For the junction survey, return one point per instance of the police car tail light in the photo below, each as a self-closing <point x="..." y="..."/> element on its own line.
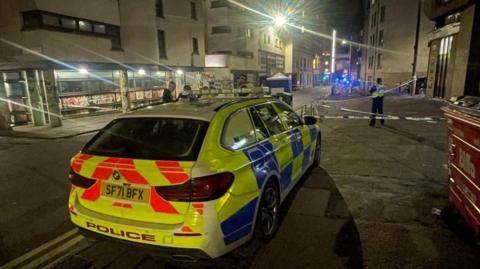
<point x="79" y="181"/>
<point x="199" y="189"/>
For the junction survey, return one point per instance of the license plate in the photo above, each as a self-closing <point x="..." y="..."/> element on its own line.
<point x="126" y="192"/>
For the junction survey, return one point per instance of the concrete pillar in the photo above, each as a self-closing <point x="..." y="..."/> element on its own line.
<point x="4" y="111"/>
<point x="123" y="81"/>
<point x="53" y="100"/>
<point x="34" y="89"/>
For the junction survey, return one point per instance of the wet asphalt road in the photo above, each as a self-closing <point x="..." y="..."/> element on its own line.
<point x="370" y="204"/>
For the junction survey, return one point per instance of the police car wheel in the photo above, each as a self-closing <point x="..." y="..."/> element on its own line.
<point x="318" y="150"/>
<point x="268" y="213"/>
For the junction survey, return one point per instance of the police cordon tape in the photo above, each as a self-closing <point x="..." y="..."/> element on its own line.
<point x="368" y="96"/>
<point x="368" y="115"/>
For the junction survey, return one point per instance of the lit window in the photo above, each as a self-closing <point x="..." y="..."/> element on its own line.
<point x="85" y="26"/>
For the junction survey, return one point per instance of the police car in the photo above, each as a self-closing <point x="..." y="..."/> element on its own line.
<point x="192" y="179"/>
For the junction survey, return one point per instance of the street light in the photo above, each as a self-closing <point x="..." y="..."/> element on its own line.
<point x="280" y="21"/>
<point x="83" y="71"/>
<point x="141" y="72"/>
<point x="179" y="72"/>
<point x="334" y="40"/>
<point x="344" y="42"/>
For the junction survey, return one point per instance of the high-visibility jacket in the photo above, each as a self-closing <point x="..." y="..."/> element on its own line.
<point x="377" y="90"/>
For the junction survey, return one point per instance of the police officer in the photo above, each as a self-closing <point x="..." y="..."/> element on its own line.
<point x="377" y="91"/>
<point x="167" y="93"/>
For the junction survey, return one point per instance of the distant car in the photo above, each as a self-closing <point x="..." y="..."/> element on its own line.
<point x="194" y="180"/>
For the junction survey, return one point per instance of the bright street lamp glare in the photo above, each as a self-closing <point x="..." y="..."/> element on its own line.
<point x="344" y="42"/>
<point x="179" y="72"/>
<point x="280" y="21"/>
<point x="83" y="71"/>
<point x="141" y="72"/>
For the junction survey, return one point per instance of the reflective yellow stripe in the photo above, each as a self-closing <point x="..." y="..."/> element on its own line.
<point x="379" y="92"/>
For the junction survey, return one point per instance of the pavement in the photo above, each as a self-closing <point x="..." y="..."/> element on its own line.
<point x="372" y="204"/>
<point x="90" y="124"/>
<point x="392" y="178"/>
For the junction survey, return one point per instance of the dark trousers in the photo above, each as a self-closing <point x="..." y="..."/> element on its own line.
<point x="377" y="108"/>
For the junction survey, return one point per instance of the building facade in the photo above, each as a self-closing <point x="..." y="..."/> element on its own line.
<point x="389" y="36"/>
<point x="68" y="58"/>
<point x="454" y="56"/>
<point x="239" y="45"/>
<point x="306" y="48"/>
<point x="249" y="45"/>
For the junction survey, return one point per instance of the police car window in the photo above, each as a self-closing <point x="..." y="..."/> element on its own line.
<point x="270" y="118"/>
<point x="288" y="116"/>
<point x="260" y="129"/>
<point x="238" y="132"/>
<point x="150" y="138"/>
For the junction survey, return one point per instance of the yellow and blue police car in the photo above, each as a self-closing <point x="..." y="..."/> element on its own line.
<point x="192" y="179"/>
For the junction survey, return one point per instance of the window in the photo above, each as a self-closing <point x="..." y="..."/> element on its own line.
<point x="69" y="23"/>
<point x="85" y="26"/>
<point x="50" y="20"/>
<point x="260" y="129"/>
<point x="379" y="60"/>
<point x="38" y="19"/>
<point x="382" y="14"/>
<point x="99" y="28"/>
<point x="193" y="10"/>
<point x="220" y="3"/>
<point x="374" y="20"/>
<point x="150" y="138"/>
<point x="159" y="8"/>
<point x="380" y="38"/>
<point x="238" y="132"/>
<point x="288" y="116"/>
<point x="270" y="118"/>
<point x="225" y="29"/>
<point x="276" y="42"/>
<point x="248" y="33"/>
<point x="162" y="51"/>
<point x="268" y="39"/>
<point x="195" y="46"/>
<point x="264" y="38"/>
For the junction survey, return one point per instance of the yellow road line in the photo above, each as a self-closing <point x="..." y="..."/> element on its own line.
<point x="27" y="256"/>
<point x="54" y="253"/>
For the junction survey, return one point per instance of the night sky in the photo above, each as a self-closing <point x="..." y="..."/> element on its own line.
<point x="344" y="15"/>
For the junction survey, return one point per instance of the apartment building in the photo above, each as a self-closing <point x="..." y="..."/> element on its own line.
<point x="67" y="58"/>
<point x="241" y="43"/>
<point x="389" y="32"/>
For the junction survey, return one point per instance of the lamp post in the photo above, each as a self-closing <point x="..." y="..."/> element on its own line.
<point x="334" y="41"/>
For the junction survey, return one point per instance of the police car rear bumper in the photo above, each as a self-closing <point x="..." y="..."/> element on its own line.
<point x="184" y="254"/>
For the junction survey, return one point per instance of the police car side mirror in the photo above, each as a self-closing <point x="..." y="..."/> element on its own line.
<point x="310" y="120"/>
